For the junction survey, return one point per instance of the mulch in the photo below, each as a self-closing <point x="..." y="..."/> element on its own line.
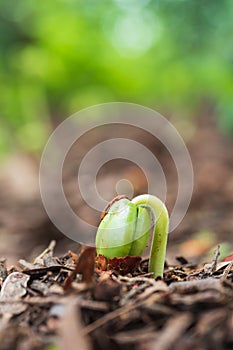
<point x="80" y="301"/>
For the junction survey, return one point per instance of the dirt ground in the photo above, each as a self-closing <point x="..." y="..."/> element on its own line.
<point x="80" y="301"/>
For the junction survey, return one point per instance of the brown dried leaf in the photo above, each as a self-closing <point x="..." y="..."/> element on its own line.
<point x="101" y="262"/>
<point x="85" y="265"/>
<point x="124" y="265"/>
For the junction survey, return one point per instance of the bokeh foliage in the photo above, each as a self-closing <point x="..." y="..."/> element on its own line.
<point x="59" y="56"/>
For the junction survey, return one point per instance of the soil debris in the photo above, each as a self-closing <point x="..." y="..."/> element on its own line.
<point x="82" y="301"/>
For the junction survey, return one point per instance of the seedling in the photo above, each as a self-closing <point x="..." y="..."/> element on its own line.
<point x="125" y="229"/>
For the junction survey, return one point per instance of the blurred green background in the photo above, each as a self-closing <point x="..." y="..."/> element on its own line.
<point x="59" y="56"/>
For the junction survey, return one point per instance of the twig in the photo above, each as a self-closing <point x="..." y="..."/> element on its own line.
<point x="132" y="293"/>
<point x="133" y="280"/>
<point x="211" y="269"/>
<point x="227" y="271"/>
<point x="135" y="335"/>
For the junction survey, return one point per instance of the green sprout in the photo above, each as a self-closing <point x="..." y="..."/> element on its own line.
<point x="125" y="230"/>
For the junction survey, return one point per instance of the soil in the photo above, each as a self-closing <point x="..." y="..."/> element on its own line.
<point x="78" y="302"/>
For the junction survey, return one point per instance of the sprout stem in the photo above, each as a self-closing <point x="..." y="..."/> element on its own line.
<point x="160" y="234"/>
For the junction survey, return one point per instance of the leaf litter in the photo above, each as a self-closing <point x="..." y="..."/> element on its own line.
<point x="80" y="301"/>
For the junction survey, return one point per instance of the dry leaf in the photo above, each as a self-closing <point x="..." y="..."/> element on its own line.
<point x="85" y="265"/>
<point x="14" y="286"/>
<point x="101" y="262"/>
<point x="124" y="265"/>
<point x="13" y="289"/>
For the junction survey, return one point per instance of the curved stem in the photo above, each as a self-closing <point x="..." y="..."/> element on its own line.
<point x="159" y="239"/>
